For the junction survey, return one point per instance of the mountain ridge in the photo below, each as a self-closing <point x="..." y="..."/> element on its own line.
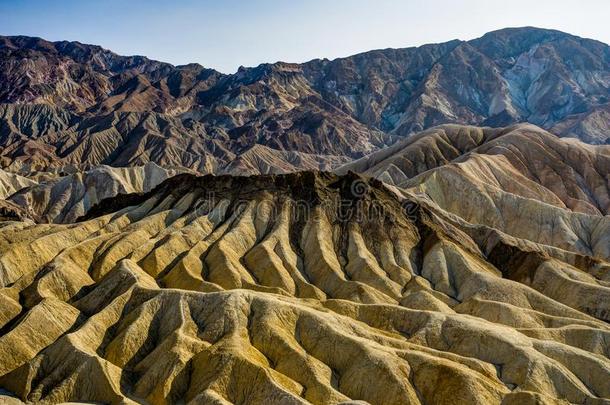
<point x="376" y="229"/>
<point x="345" y="107"/>
<point x="204" y="284"/>
<point x="529" y="28"/>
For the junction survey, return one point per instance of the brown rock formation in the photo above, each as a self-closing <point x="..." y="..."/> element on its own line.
<point x="67" y="103"/>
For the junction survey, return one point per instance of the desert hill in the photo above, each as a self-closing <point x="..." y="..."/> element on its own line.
<point x="523" y="160"/>
<point x="310" y="284"/>
<point x="66" y="198"/>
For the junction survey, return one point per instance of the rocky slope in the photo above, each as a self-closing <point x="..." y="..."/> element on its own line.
<point x="522" y="160"/>
<point x="42" y="138"/>
<point x="446" y="163"/>
<point x="299" y="288"/>
<point x="66" y="198"/>
<point x="520" y="180"/>
<point x="11" y="183"/>
<point x="70" y="103"/>
<point x="76" y="76"/>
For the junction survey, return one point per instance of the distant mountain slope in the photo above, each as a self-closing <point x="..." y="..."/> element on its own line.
<point x="345" y="108"/>
<point x="519" y="180"/>
<point x="39" y="137"/>
<point x="65" y="199"/>
<point x="506" y="76"/>
<point x="522" y="159"/>
<point x="80" y="77"/>
<point x="10" y="183"/>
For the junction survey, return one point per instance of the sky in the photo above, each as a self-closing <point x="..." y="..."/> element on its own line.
<point x="227" y="34"/>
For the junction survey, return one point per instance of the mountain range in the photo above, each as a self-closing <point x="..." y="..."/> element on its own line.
<point x="70" y="104"/>
<point x="425" y="225"/>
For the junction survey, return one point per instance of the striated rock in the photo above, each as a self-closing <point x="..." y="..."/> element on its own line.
<point x="67" y="198"/>
<point x="264" y="160"/>
<point x="10" y="183"/>
<point x="590" y="127"/>
<point x="521" y="181"/>
<point x="71" y="104"/>
<point x="299" y="288"/>
<point x="45" y="139"/>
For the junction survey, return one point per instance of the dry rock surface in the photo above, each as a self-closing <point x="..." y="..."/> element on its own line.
<point x="302" y="288"/>
<point x="520" y="180"/>
<point x="63" y="199"/>
<point x="68" y="103"/>
<point x="438" y="264"/>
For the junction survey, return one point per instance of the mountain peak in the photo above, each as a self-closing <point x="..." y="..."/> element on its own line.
<point x="323" y="110"/>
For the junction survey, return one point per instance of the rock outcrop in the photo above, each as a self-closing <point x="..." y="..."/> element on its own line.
<point x="298" y="288"/>
<point x="11" y="183"/>
<point x="64" y="199"/>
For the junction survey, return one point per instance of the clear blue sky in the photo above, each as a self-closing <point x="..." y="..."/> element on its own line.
<point x="230" y="33"/>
